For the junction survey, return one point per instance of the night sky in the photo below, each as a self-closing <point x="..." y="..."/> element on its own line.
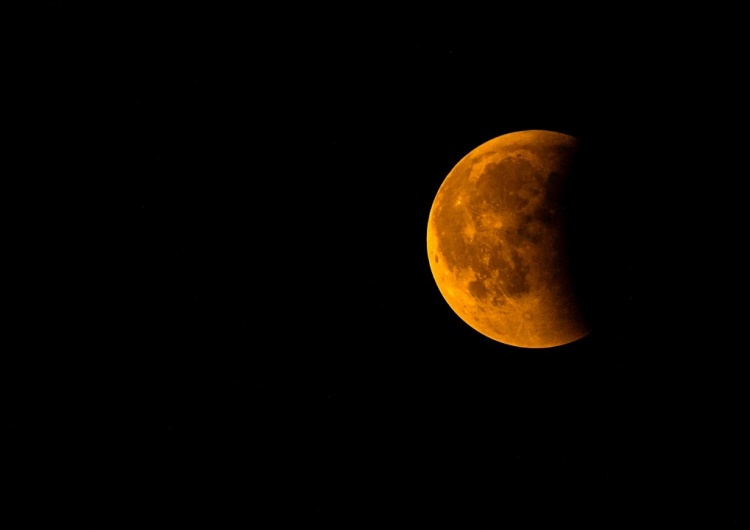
<point x="227" y="306"/>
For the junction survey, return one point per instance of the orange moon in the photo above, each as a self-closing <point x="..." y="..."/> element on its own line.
<point x="496" y="240"/>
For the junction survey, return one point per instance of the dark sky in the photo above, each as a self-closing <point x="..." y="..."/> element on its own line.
<point x="227" y="298"/>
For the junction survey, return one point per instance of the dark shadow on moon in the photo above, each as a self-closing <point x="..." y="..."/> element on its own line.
<point x="596" y="234"/>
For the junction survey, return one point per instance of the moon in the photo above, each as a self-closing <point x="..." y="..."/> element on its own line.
<point x="497" y="242"/>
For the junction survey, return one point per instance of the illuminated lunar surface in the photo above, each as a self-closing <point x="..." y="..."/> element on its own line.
<point x="496" y="240"/>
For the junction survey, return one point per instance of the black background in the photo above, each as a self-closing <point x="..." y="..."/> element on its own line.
<point x="226" y="305"/>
